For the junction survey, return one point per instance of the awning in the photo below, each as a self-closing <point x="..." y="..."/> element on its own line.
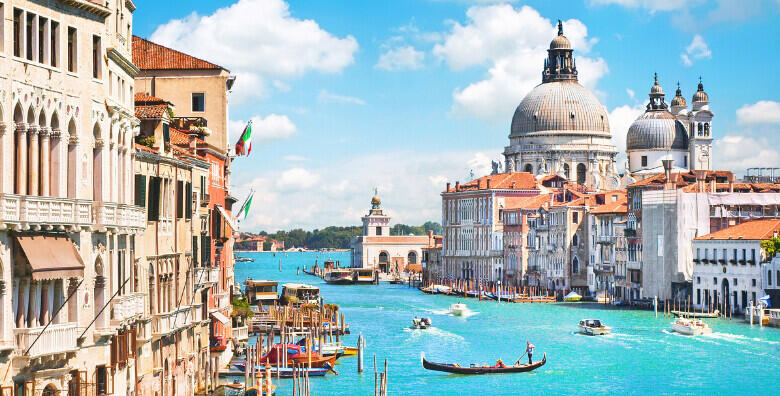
<point x="230" y="220"/>
<point x="414" y="267"/>
<point x="220" y="317"/>
<point x="52" y="257"/>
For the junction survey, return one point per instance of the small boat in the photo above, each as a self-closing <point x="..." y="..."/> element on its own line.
<point x="299" y="293"/>
<point x="234" y="389"/>
<point x="284" y="372"/>
<point x="261" y="292"/>
<point x="436" y="289"/>
<point x="684" y="314"/>
<point x="593" y="327"/>
<point x="474" y="369"/>
<point x="296" y="354"/>
<point x="421" y="323"/>
<point x="339" y="276"/>
<point x="244" y="259"/>
<point x="458" y="309"/>
<point x="364" y="276"/>
<point x="534" y="299"/>
<point x="691" y="327"/>
<point x="572" y="297"/>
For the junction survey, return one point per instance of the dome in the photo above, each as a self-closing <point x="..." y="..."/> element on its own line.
<point x="375" y="201"/>
<point x="678" y="100"/>
<point x="560" y="42"/>
<point x="657" y="130"/>
<point x="560" y="106"/>
<point x="700" y="95"/>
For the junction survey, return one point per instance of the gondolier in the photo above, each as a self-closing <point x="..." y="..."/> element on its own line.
<point x="529" y="349"/>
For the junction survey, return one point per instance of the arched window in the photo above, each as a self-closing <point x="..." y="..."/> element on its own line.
<point x="529" y="168"/>
<point x="706" y="129"/>
<point x="575" y="240"/>
<point x="566" y="171"/>
<point x="701" y="129"/>
<point x="50" y="390"/>
<point x="575" y="265"/>
<point x="383" y="257"/>
<point x="71" y="164"/>
<point x="412" y="257"/>
<point x="581" y="173"/>
<point x="97" y="165"/>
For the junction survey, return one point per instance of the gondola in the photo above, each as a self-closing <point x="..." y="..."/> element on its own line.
<point x="476" y="370"/>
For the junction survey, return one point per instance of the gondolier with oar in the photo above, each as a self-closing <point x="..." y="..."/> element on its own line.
<point x="529" y="349"/>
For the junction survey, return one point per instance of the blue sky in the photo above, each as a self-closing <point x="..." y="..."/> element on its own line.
<point x="405" y="95"/>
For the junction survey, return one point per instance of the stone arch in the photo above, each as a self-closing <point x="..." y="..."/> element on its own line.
<point x="575" y="240"/>
<point x="581" y="169"/>
<point x="54" y="123"/>
<point x="566" y="171"/>
<point x="30" y="115"/>
<point x="42" y="118"/>
<point x="411" y="258"/>
<point x="70" y="168"/>
<point x="97" y="164"/>
<point x="50" y="390"/>
<point x="18" y="113"/>
<point x="99" y="292"/>
<point x="384" y="261"/>
<point x="575" y="265"/>
<point x="528" y="168"/>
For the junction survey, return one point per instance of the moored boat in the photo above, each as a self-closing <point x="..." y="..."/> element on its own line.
<point x="261" y="292"/>
<point x="572" y="297"/>
<point x="364" y="276"/>
<point x="339" y="276"/>
<point x="691" y="327"/>
<point x="299" y="293"/>
<point x="684" y="314"/>
<point x="284" y="372"/>
<point x="593" y="327"/>
<point x="473" y="369"/>
<point x="436" y="289"/>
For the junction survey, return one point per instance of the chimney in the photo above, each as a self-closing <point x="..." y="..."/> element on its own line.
<point x="479" y="184"/>
<point x="430" y="238"/>
<point x="701" y="175"/>
<point x="712" y="185"/>
<point x="513" y="185"/>
<point x="731" y="182"/>
<point x="488" y="183"/>
<point x="457" y="186"/>
<point x="668" y="163"/>
<point x="448" y="186"/>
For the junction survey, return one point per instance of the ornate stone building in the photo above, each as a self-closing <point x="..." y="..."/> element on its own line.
<point x="561" y="128"/>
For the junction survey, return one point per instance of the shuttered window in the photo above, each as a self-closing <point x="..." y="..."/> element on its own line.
<point x="195" y="257"/>
<point x="140" y="190"/>
<point x="188" y="201"/>
<point x="179" y="199"/>
<point x="153" y="213"/>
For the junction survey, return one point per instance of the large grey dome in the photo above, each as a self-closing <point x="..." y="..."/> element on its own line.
<point x="657" y="130"/>
<point x="560" y="106"/>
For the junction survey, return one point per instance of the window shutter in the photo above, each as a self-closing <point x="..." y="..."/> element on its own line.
<point x="166" y="134"/>
<point x="195" y="257"/>
<point x="153" y="212"/>
<point x="140" y="190"/>
<point x="188" y="200"/>
<point x="179" y="199"/>
<point x="114" y="352"/>
<point x="203" y="191"/>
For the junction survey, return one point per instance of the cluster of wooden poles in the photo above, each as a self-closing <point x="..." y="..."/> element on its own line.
<point x="462" y="286"/>
<point x="380" y="380"/>
<point x="686" y="306"/>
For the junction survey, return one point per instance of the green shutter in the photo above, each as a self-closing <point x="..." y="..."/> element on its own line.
<point x="140" y="190"/>
<point x="188" y="201"/>
<point x="179" y="199"/>
<point x="153" y="213"/>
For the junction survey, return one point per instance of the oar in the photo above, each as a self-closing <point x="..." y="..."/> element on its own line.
<point x="521" y="356"/>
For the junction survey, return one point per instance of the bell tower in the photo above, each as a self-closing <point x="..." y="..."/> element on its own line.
<point x="376" y="223"/>
<point x="700" y="130"/>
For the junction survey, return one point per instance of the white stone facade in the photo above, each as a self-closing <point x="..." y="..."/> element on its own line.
<point x="726" y="269"/>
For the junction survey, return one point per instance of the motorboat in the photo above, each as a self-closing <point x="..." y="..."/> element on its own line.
<point x="473" y="369"/>
<point x="364" y="276"/>
<point x="572" y="297"/>
<point x="299" y="293"/>
<point x="691" y="327"/>
<point x="593" y="327"/>
<point x="421" y="323"/>
<point x="436" y="289"/>
<point x="458" y="309"/>
<point x="339" y="276"/>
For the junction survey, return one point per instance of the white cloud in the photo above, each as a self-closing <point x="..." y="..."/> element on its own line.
<point x="697" y="49"/>
<point x="512" y="44"/>
<point x="650" y="5"/>
<point x="730" y="151"/>
<point x="270" y="127"/>
<point x="294" y="158"/>
<point x="328" y="97"/>
<point x="761" y="112"/>
<point x="339" y="192"/>
<point x="260" y="42"/>
<point x="630" y="92"/>
<point x="620" y="119"/>
<point x="403" y="58"/>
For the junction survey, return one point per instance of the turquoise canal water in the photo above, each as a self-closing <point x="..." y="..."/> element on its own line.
<point x="642" y="356"/>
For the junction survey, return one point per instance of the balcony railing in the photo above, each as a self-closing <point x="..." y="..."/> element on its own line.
<point x="605" y="239"/>
<point x="241" y="333"/>
<point x="633" y="265"/>
<point x="113" y="215"/>
<point x="25" y="210"/>
<point x="168" y="322"/>
<point x="59" y="338"/>
<point x="128" y="307"/>
<point x="219" y="301"/>
<point x="206" y="276"/>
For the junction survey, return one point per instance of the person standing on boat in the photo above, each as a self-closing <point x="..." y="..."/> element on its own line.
<point x="529" y="349"/>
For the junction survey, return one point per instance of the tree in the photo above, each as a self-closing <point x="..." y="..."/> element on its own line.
<point x="771" y="247"/>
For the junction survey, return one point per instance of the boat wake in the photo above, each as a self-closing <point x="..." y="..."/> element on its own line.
<point x="740" y="339"/>
<point x="467" y="313"/>
<point x="433" y="332"/>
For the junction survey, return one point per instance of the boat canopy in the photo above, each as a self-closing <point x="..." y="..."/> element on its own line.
<point x="573" y="295"/>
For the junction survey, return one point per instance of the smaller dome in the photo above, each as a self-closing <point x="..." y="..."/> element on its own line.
<point x="657" y="130"/>
<point x="700" y="95"/>
<point x="656" y="89"/>
<point x="678" y="100"/>
<point x="375" y="201"/>
<point x="560" y="42"/>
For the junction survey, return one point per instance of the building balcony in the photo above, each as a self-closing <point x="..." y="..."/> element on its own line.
<point x="24" y="212"/>
<point x="241" y="333"/>
<point x="56" y="339"/>
<point x="197" y="125"/>
<point x="220" y="301"/>
<point x="206" y="277"/>
<point x="604" y="268"/>
<point x="110" y="215"/>
<point x="170" y="322"/>
<point x="633" y="265"/>
<point x="127" y="308"/>
<point x="605" y="239"/>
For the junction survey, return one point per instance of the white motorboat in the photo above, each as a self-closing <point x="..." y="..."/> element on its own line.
<point x="593" y="327"/>
<point x="691" y="327"/>
<point x="458" y="309"/>
<point x="421" y="323"/>
<point x="572" y="297"/>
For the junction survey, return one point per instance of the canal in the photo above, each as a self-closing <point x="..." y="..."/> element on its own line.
<point x="642" y="356"/>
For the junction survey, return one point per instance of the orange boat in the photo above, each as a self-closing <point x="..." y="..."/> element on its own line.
<point x="296" y="354"/>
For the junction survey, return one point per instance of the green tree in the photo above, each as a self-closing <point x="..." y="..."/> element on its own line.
<point x="771" y="247"/>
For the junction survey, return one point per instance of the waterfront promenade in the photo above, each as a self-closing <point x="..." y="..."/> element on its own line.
<point x="641" y="357"/>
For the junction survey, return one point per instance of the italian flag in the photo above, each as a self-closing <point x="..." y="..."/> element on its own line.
<point x="247" y="205"/>
<point x="244" y="144"/>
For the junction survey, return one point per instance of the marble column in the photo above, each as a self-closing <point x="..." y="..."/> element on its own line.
<point x="34" y="162"/>
<point x="45" y="170"/>
<point x="153" y="295"/>
<point x="56" y="162"/>
<point x="3" y="156"/>
<point x="99" y="299"/>
<point x="21" y="159"/>
<point x="45" y="307"/>
<point x="33" y="306"/>
<point x="73" y="303"/>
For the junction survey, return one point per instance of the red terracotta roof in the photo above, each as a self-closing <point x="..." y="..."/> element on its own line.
<point x="526" y="203"/>
<point x="150" y="111"/>
<point x="397" y="239"/>
<point x="617" y="207"/>
<point x="752" y="230"/>
<point x="500" y="181"/>
<point x="151" y="56"/>
<point x="141" y="147"/>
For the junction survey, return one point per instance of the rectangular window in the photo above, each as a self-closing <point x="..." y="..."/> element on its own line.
<point x="140" y="190"/>
<point x="644" y="160"/>
<point x="179" y="199"/>
<point x="379" y="230"/>
<point x="198" y="102"/>
<point x="723" y="257"/>
<point x="153" y="211"/>
<point x="698" y="254"/>
<point x="54" y="44"/>
<point x="752" y="256"/>
<point x="29" y="37"/>
<point x="575" y="217"/>
<point x="41" y="40"/>
<point x="18" y="32"/>
<point x="72" y="50"/>
<point x="769" y="278"/>
<point x="97" y="52"/>
<point x="698" y="296"/>
<point x="744" y="256"/>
